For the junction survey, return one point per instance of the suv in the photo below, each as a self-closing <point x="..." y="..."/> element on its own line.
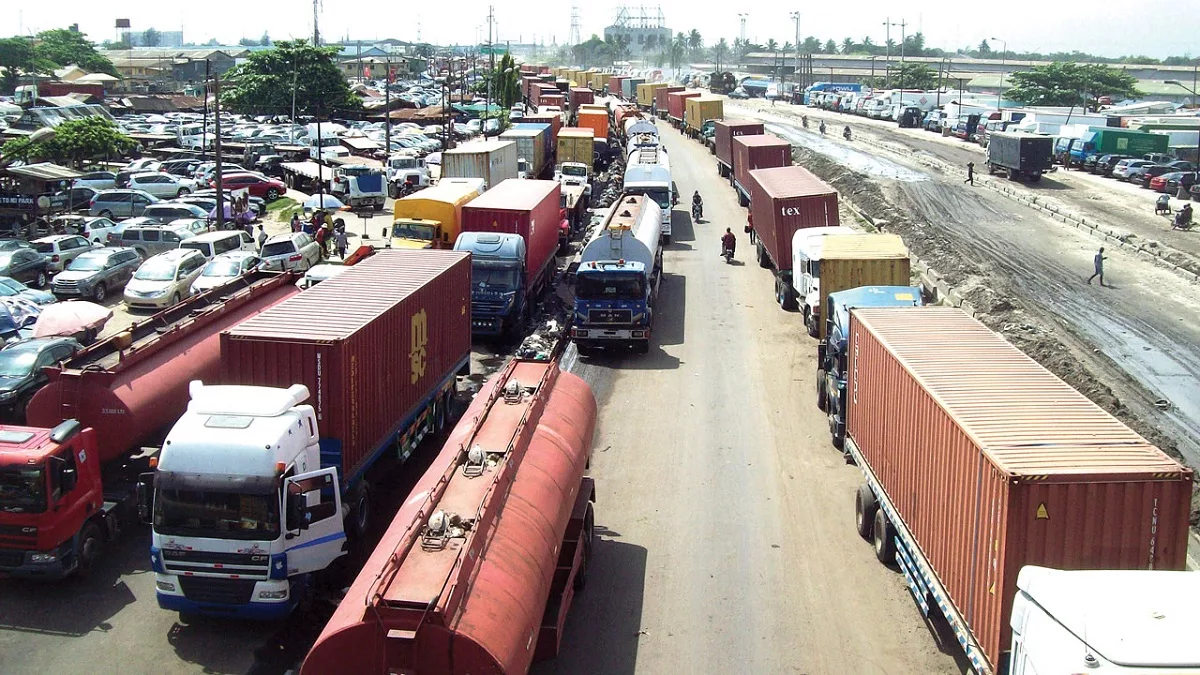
<point x="161" y="184"/>
<point x="1104" y="166"/>
<point x="120" y="203"/>
<point x="269" y="189"/>
<point x="164" y="280"/>
<point x="165" y="212"/>
<point x="97" y="180"/>
<point x="151" y="240"/>
<point x="290" y="251"/>
<point x="61" y="249"/>
<point x="22" y="373"/>
<point x="96" y="272"/>
<point x="1123" y="167"/>
<point x="213" y="244"/>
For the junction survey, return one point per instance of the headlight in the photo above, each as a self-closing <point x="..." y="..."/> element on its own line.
<point x="273" y="595"/>
<point x="165" y="586"/>
<point x="41" y="558"/>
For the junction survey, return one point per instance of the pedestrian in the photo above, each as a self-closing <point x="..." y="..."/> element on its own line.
<point x="1099" y="263"/>
<point x="262" y="236"/>
<point x="295" y="222"/>
<point x="321" y="242"/>
<point x="341" y="242"/>
<point x="750" y="228"/>
<point x="970" y="173"/>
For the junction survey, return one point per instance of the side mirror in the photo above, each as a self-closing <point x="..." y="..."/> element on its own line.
<point x="145" y="497"/>
<point x="70" y="478"/>
<point x="297" y="512"/>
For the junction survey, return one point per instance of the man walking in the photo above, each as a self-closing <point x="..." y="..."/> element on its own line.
<point x="1099" y="262"/>
<point x="970" y="173"/>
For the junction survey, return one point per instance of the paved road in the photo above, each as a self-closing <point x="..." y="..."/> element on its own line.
<point x="725" y="516"/>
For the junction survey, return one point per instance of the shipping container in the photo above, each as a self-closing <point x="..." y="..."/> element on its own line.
<point x="557" y="100"/>
<point x="848" y="261"/>
<point x="595" y="120"/>
<point x="599" y="81"/>
<point x="527" y="83"/>
<point x="531" y="149"/>
<point x="660" y="99"/>
<point x="646" y="91"/>
<point x="986" y="462"/>
<point x="782" y="201"/>
<point x="580" y="96"/>
<point x="614" y="84"/>
<point x="526" y="207"/>
<point x="675" y="104"/>
<point x="763" y="151"/>
<point x="563" y="85"/>
<point x="555" y="122"/>
<point x="575" y="145"/>
<point x="726" y="131"/>
<point x="546" y="142"/>
<point x="491" y="160"/>
<point x="430" y="218"/>
<point x="700" y="109"/>
<point x="629" y="87"/>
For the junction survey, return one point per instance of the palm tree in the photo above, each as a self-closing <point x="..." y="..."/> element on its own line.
<point x="847" y="45"/>
<point x="720" y="52"/>
<point x="788" y="47"/>
<point x="830" y="47"/>
<point x="868" y="45"/>
<point x="772" y="45"/>
<point x="677" y="49"/>
<point x="694" y="42"/>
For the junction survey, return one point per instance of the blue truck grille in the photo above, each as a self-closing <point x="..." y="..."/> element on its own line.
<point x="219" y="591"/>
<point x="621" y="316"/>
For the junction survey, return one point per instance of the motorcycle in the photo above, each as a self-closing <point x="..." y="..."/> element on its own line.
<point x="727" y="254"/>
<point x="846" y="133"/>
<point x="697" y="212"/>
<point x="822" y="128"/>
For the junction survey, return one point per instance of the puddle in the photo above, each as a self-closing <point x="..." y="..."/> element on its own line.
<point x="857" y="161"/>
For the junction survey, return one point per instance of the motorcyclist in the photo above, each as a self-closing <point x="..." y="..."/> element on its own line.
<point x="728" y="241"/>
<point x="822" y="127"/>
<point x="846" y="132"/>
<point x="1183" y="219"/>
<point x="697" y="204"/>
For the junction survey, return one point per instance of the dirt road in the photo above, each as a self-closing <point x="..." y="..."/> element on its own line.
<point x="726" y="539"/>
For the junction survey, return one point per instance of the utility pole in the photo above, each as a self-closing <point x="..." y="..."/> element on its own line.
<point x="204" y="127"/>
<point x="387" y="106"/>
<point x="796" y="71"/>
<point x="491" y="70"/>
<point x="1003" y="53"/>
<point x="902" y="40"/>
<point x="217" y="148"/>
<point x="316" y="32"/>
<point x="320" y="159"/>
<point x="292" y="129"/>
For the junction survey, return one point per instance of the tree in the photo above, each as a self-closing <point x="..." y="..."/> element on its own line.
<point x="247" y="42"/>
<point x="695" y="43"/>
<point x="263" y="84"/>
<point x="847" y="45"/>
<point x="721" y="53"/>
<point x="830" y="47"/>
<point x="914" y="45"/>
<point x="869" y="46"/>
<point x="1062" y="84"/>
<point x="772" y="45"/>
<point x="265" y="41"/>
<point x="678" y="47"/>
<point x="506" y="82"/>
<point x="811" y="45"/>
<point x="18" y="57"/>
<point x="65" y="47"/>
<point x="984" y="48"/>
<point x="151" y="38"/>
<point x="650" y="43"/>
<point x="915" y="76"/>
<point x="74" y="141"/>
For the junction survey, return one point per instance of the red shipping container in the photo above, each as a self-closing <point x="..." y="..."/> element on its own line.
<point x="527" y="83"/>
<point x="581" y="96"/>
<point x="555" y="122"/>
<point x="750" y="153"/>
<point x="787" y="199"/>
<point x="675" y="103"/>
<point x="994" y="463"/>
<point x="520" y="206"/>
<point x="372" y="345"/>
<point x="725" y="132"/>
<point x="660" y="97"/>
<point x="552" y="99"/>
<point x="614" y="84"/>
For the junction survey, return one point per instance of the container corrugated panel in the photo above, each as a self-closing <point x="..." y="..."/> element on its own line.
<point x="525" y="207"/>
<point x="994" y="463"/>
<point x="700" y="109"/>
<point x="555" y="122"/>
<point x="675" y="101"/>
<point x="580" y="96"/>
<point x="370" y="344"/>
<point x="575" y="145"/>
<point x="552" y="99"/>
<point x="763" y="151"/>
<point x="660" y="97"/>
<point x="856" y="260"/>
<point x="595" y="120"/>
<point x="614" y="84"/>
<point x="787" y="199"/>
<point x="727" y="130"/>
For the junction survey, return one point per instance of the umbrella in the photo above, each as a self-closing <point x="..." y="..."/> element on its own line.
<point x="325" y="202"/>
<point x="70" y="318"/>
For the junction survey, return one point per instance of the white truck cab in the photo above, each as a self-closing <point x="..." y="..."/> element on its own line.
<point x="575" y="173"/>
<point x="406" y="171"/>
<point x="806" y="265"/>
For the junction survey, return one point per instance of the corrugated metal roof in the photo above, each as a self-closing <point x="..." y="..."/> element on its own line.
<point x="337" y="308"/>
<point x="790" y="181"/>
<point x="44" y="171"/>
<point x="1027" y="420"/>
<point x="863" y="246"/>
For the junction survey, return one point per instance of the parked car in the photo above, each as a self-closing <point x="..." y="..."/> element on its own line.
<point x="10" y="288"/>
<point x="61" y="249"/>
<point x="1104" y="166"/>
<point x="1122" y="168"/>
<point x="319" y="273"/>
<point x="257" y="185"/>
<point x="24" y="264"/>
<point x="183" y="168"/>
<point x="1170" y="182"/>
<point x="1151" y="172"/>
<point x="97" y="273"/>
<point x="165" y="279"/>
<point x="14" y="244"/>
<point x="143" y="165"/>
<point x="165" y="212"/>
<point x="257" y="204"/>
<point x="97" y="180"/>
<point x="78" y="198"/>
<point x="1158" y="158"/>
<point x="206" y="172"/>
<point x="290" y="251"/>
<point x="120" y="203"/>
<point x="151" y="240"/>
<point x="196" y="226"/>
<point x="21" y="371"/>
<point x="162" y="185"/>
<point x="225" y="268"/>
<point x="213" y="244"/>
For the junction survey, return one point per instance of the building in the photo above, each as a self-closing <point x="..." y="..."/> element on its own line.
<point x="168" y="68"/>
<point x="374" y="67"/>
<point x="643" y="29"/>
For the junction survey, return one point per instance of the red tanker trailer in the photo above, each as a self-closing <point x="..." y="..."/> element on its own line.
<point x="66" y="480"/>
<point x="479" y="567"/>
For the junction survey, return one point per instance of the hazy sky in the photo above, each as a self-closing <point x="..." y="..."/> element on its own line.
<point x="1156" y="28"/>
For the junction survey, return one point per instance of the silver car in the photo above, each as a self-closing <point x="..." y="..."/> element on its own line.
<point x="225" y="268"/>
<point x="96" y="273"/>
<point x="61" y="249"/>
<point x="113" y="204"/>
<point x="290" y="251"/>
<point x="164" y="280"/>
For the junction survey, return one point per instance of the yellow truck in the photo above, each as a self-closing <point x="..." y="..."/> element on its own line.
<point x="837" y="261"/>
<point x="645" y="93"/>
<point x="432" y="218"/>
<point x="701" y="109"/>
<point x="576" y="145"/>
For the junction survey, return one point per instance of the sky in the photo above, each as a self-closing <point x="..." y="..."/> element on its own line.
<point x="1156" y="28"/>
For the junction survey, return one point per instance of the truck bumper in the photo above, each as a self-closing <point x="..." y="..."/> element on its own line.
<point x="171" y="596"/>
<point x="586" y="336"/>
<point x="487" y="324"/>
<point x="16" y="564"/>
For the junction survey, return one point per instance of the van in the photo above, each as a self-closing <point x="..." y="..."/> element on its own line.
<point x="150" y="240"/>
<point x="213" y="244"/>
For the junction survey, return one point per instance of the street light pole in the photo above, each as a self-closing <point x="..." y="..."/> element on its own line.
<point x="796" y="70"/>
<point x="1000" y="89"/>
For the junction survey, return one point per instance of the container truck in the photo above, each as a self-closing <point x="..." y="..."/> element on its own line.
<point x="978" y="462"/>
<point x="595" y="120"/>
<point x="578" y="97"/>
<point x="574" y="207"/>
<point x="512" y="233"/>
<point x="660" y="100"/>
<point x="1019" y="154"/>
<point x="68" y="480"/>
<point x="546" y="131"/>
<point x="764" y="151"/>
<point x="431" y="218"/>
<point x="648" y="172"/>
<point x="784" y="200"/>
<point x="614" y="85"/>
<point x="700" y="109"/>
<point x="599" y="81"/>
<point x="645" y="94"/>
<point x="479" y="568"/>
<point x="831" y="262"/>
<point x="406" y="172"/>
<point x="551" y="101"/>
<point x="555" y="122"/>
<point x="629" y="87"/>
<point x="358" y="185"/>
<point x="1108" y="140"/>
<point x="725" y="132"/>
<point x="531" y="150"/>
<point x="327" y="382"/>
<point x="675" y="106"/>
<point x="493" y="161"/>
<point x="616" y="284"/>
<point x="575" y="145"/>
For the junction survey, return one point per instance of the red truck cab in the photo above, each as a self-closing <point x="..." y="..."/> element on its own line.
<point x="53" y="515"/>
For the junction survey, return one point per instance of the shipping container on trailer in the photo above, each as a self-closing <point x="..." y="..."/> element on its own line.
<point x="978" y="461"/>
<point x="580" y="96"/>
<point x="595" y="120"/>
<point x="480" y="566"/>
<point x="492" y="160"/>
<point x="629" y="88"/>
<point x="531" y="148"/>
<point x="675" y="105"/>
<point x="783" y="200"/>
<point x="726" y="131"/>
<point x="528" y="208"/>
<point x="660" y="99"/>
<point x="575" y="145"/>
<point x="614" y="84"/>
<point x="563" y="85"/>
<point x="840" y="262"/>
<point x="556" y="100"/>
<point x="527" y="82"/>
<point x="430" y="218"/>
<point x="700" y="109"/>
<point x="555" y="122"/>
<point x="546" y="142"/>
<point x="645" y="93"/>
<point x="750" y="153"/>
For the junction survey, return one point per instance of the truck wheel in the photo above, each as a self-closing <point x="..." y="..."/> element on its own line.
<point x="90" y="546"/>
<point x="991" y="169"/>
<point x="378" y="206"/>
<point x="764" y="261"/>
<point x="589" y="531"/>
<point x="810" y="323"/>
<point x="883" y="535"/>
<point x="865" y="507"/>
<point x="742" y="201"/>
<point x="360" y="510"/>
<point x="642" y="347"/>
<point x="837" y="436"/>
<point x="667" y="239"/>
<point x="1035" y="177"/>
<point x="822" y="398"/>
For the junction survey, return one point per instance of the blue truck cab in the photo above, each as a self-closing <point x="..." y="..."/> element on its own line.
<point x="831" y="352"/>
<point x="497" y="280"/>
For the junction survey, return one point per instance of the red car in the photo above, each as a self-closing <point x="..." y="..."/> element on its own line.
<point x="1159" y="183"/>
<point x="269" y="189"/>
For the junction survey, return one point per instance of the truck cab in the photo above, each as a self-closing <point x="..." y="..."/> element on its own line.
<point x="406" y="172"/>
<point x="575" y="173"/>
<point x="358" y="185"/>
<point x="806" y="267"/>
<point x="242" y="511"/>
<point x="497" y="279"/>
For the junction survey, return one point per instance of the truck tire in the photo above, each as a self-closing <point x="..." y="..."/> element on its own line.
<point x="883" y="536"/>
<point x="378" y="206"/>
<point x="742" y="201"/>
<point x="991" y="169"/>
<point x="836" y="436"/>
<point x="667" y="239"/>
<point x="865" y="507"/>
<point x="822" y="398"/>
<point x="642" y="347"/>
<point x="810" y="324"/>
<point x="589" y="531"/>
<point x="91" y="544"/>
<point x="360" y="511"/>
<point x="764" y="261"/>
<point x="1035" y="176"/>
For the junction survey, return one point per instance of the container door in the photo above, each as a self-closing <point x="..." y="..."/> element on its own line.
<point x="313" y="520"/>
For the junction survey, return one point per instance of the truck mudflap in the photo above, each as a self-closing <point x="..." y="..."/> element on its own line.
<point x="922" y="582"/>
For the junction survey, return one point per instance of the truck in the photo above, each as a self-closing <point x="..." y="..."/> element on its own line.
<point x="358" y="185"/>
<point x="405" y="173"/>
<point x="724" y="133"/>
<point x="574" y="207"/>
<point x="579" y="96"/>
<point x="575" y="146"/>
<point x="512" y="233"/>
<point x="645" y="94"/>
<point x="832" y="356"/>
<point x="750" y="153"/>
<point x="978" y="462"/>
<point x="492" y="160"/>
<point x="648" y="172"/>
<point x="782" y="201"/>
<point x="68" y="479"/>
<point x="596" y="120"/>
<point x="1019" y="154"/>
<point x="616" y="283"/>
<point x="827" y="262"/>
<point x="660" y="100"/>
<point x="629" y="88"/>
<point x="531" y="150"/>
<point x="267" y="473"/>
<point x="700" y="109"/>
<point x="479" y="568"/>
<point x="1110" y="140"/>
<point x="431" y="218"/>
<point x="675" y="106"/>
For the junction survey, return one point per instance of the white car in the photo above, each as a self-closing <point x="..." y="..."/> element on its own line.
<point x="165" y="279"/>
<point x="97" y="180"/>
<point x="143" y="164"/>
<point x="162" y="185"/>
<point x="316" y="275"/>
<point x="61" y="249"/>
<point x="224" y="269"/>
<point x="96" y="230"/>
<point x="290" y="251"/>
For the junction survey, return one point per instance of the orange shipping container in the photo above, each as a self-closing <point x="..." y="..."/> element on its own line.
<point x="993" y="463"/>
<point x="595" y="120"/>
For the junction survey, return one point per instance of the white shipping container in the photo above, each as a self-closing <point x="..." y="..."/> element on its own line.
<point x="493" y="161"/>
<point x="531" y="147"/>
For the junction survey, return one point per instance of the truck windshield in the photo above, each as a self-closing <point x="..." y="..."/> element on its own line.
<point x="662" y="197"/>
<point x="580" y="171"/>
<point x="610" y="286"/>
<point x="501" y="277"/>
<point x="406" y="230"/>
<point x="219" y="515"/>
<point x="22" y="489"/>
